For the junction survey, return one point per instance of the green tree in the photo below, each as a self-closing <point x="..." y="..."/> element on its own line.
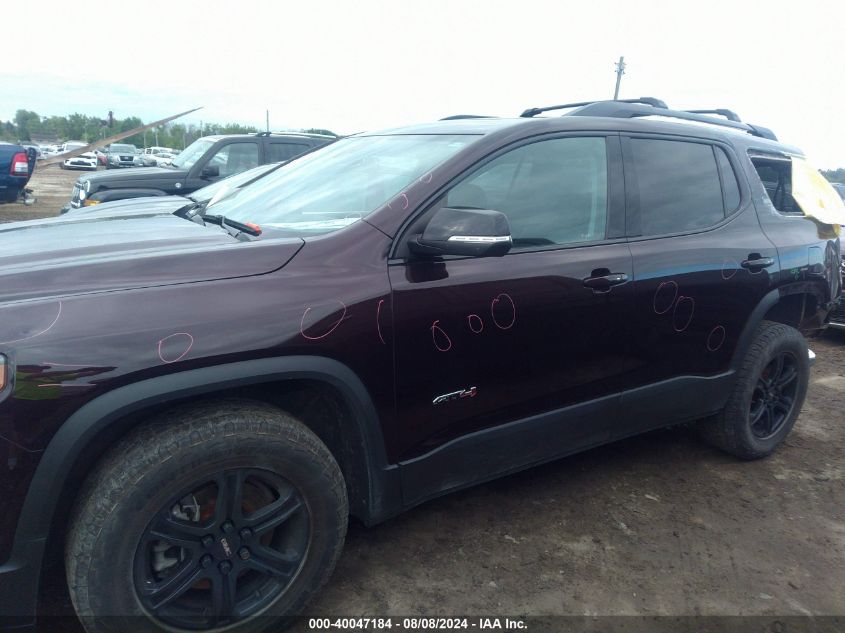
<point x="834" y="175"/>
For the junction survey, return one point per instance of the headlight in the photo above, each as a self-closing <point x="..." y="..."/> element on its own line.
<point x="82" y="195"/>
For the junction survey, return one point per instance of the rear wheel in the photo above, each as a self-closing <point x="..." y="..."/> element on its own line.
<point x="768" y="395"/>
<point x="207" y="519"/>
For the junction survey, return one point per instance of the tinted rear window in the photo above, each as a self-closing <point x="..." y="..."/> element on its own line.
<point x="679" y="186"/>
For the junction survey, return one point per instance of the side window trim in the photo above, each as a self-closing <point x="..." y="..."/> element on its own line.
<point x="633" y="223"/>
<point x="615" y="215"/>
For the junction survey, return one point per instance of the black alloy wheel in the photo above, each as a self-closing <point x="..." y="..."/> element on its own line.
<point x="774" y="395"/>
<point x="222" y="550"/>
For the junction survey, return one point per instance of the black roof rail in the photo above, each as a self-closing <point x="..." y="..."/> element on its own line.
<point x="655" y="103"/>
<point x="455" y="117"/>
<point x="730" y="115"/>
<point x="631" y="110"/>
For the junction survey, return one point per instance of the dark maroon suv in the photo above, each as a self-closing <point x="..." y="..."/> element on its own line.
<point x="193" y="404"/>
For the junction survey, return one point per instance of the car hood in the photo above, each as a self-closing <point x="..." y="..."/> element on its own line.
<point x="72" y="255"/>
<point x="148" y="205"/>
<point x="112" y="177"/>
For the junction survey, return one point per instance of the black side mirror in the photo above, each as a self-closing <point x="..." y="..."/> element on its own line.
<point x="473" y="232"/>
<point x="210" y="171"/>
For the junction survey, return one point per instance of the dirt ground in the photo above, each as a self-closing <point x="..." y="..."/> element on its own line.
<point x="51" y="187"/>
<point x="655" y="525"/>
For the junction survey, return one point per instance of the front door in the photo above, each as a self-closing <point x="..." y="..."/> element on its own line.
<point x="481" y="342"/>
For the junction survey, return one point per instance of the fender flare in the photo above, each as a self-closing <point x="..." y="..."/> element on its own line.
<point x="381" y="494"/>
<point x="769" y="300"/>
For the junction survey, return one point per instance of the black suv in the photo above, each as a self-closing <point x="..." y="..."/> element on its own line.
<point x="203" y="161"/>
<point x="194" y="403"/>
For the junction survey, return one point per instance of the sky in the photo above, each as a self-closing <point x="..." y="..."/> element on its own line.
<point x="351" y="66"/>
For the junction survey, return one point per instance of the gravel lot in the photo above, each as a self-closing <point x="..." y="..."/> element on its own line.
<point x="655" y="525"/>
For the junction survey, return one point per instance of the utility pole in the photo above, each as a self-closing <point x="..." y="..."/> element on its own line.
<point x="268" y="119"/>
<point x="620" y="70"/>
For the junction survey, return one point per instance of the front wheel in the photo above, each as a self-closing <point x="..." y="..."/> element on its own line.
<point x="767" y="397"/>
<point x="208" y="518"/>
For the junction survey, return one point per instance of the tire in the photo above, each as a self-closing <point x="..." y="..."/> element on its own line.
<point x="742" y="428"/>
<point x="111" y="558"/>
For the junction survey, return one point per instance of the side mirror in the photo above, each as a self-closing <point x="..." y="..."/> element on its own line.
<point x="472" y="232"/>
<point x="210" y="171"/>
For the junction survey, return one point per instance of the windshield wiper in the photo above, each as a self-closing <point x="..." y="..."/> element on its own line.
<point x="239" y="230"/>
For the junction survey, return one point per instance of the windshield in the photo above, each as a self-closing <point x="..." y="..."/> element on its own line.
<point x="233" y="182"/>
<point x="340" y="183"/>
<point x="122" y="149"/>
<point x="192" y="153"/>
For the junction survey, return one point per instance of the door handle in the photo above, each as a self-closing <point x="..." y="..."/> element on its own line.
<point x="603" y="283"/>
<point x="756" y="262"/>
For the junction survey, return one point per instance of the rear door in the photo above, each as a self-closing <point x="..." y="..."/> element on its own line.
<point x="481" y="342"/>
<point x="701" y="266"/>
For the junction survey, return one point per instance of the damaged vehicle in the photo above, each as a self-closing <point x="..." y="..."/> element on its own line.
<point x="193" y="404"/>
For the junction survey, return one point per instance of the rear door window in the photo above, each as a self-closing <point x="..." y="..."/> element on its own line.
<point x="679" y="186"/>
<point x="278" y="152"/>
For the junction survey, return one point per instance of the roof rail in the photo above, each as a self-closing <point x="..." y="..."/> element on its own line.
<point x="730" y="115"/>
<point x="631" y="110"/>
<point x="656" y="103"/>
<point x="304" y="134"/>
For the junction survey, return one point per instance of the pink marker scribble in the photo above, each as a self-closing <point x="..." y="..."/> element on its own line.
<point x="683" y="301"/>
<point x="478" y="320"/>
<point x="426" y="179"/>
<point x="405" y="202"/>
<point x="302" y="326"/>
<point x="44" y="331"/>
<point x="661" y="297"/>
<point x="716" y="338"/>
<point x="188" y="343"/>
<point x="442" y="346"/>
<point x="729" y="268"/>
<point x="378" y="321"/>
<point x="510" y="312"/>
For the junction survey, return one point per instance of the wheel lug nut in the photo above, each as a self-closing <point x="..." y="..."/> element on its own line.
<point x="244" y="553"/>
<point x="206" y="561"/>
<point x="225" y="567"/>
<point x="246" y="533"/>
<point x="207" y="541"/>
<point x="227" y="527"/>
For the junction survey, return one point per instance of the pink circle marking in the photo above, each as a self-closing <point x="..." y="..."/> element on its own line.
<point x="719" y="332"/>
<point x="190" y="344"/>
<point x="436" y="327"/>
<point x="480" y="323"/>
<point x="657" y="293"/>
<point x="493" y="311"/>
<point x="330" y="330"/>
<point x="729" y="268"/>
<point x="681" y="300"/>
<point x="44" y="331"/>
<point x="378" y="321"/>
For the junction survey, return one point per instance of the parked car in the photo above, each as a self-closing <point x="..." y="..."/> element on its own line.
<point x="204" y="161"/>
<point x="87" y="160"/>
<point x="382" y="321"/>
<point x="151" y="156"/>
<point x="16" y="167"/>
<point x="169" y="204"/>
<point x="837" y="317"/>
<point x="69" y="146"/>
<point x="120" y="155"/>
